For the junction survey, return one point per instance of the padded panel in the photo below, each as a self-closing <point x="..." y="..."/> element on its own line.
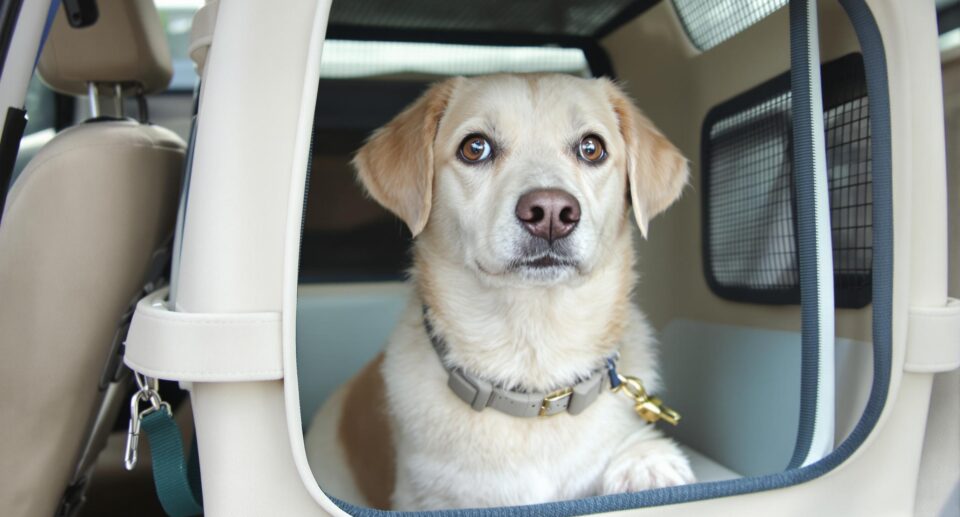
<point x="738" y="389"/>
<point x="79" y="227"/>
<point x="339" y="329"/>
<point x="706" y="469"/>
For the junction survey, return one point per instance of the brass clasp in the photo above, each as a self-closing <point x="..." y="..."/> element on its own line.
<point x="548" y="401"/>
<point x="649" y="407"/>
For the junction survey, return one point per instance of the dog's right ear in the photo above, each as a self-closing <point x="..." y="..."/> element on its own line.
<point x="396" y="163"/>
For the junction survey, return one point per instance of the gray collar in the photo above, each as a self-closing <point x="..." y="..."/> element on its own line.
<point x="480" y="393"/>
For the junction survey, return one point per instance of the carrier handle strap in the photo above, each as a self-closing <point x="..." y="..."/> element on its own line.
<point x="203" y="347"/>
<point x="815" y="433"/>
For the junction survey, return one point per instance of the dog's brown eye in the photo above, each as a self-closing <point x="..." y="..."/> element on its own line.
<point x="475" y="149"/>
<point x="591" y="149"/>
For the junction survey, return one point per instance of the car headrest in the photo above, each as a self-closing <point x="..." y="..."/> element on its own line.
<point x="125" y="45"/>
<point x="201" y="34"/>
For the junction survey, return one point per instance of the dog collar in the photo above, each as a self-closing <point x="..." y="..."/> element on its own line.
<point x="479" y="393"/>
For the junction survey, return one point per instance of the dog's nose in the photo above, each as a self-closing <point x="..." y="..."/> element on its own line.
<point x="549" y="214"/>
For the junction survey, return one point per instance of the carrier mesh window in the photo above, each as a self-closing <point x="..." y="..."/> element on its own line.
<point x="557" y="18"/>
<point x="750" y="238"/>
<point x="351" y="59"/>
<point x="348" y="237"/>
<point x="709" y="23"/>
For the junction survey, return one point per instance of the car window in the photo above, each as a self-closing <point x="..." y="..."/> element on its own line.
<point x="177" y="18"/>
<point x="41" y="104"/>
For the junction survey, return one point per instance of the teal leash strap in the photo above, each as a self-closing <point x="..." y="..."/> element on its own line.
<point x="193" y="470"/>
<point x="177" y="481"/>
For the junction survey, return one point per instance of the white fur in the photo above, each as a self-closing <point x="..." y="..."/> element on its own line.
<point x="537" y="329"/>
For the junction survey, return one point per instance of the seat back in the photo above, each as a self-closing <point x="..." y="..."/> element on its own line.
<point x="79" y="231"/>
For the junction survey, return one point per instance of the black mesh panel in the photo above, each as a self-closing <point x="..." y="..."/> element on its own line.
<point x="562" y="17"/>
<point x="710" y="22"/>
<point x="749" y="203"/>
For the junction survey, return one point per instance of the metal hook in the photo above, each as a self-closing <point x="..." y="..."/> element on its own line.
<point x="148" y="392"/>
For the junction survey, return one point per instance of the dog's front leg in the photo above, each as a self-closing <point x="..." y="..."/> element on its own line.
<point x="645" y="460"/>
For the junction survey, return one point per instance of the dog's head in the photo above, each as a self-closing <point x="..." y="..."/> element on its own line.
<point x="522" y="177"/>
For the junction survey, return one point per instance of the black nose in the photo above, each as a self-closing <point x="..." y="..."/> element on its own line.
<point x="549" y="214"/>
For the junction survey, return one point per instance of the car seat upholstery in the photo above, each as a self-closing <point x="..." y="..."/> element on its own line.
<point x="80" y="229"/>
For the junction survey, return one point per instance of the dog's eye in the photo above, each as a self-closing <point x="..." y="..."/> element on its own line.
<point x="475" y="149"/>
<point x="591" y="149"/>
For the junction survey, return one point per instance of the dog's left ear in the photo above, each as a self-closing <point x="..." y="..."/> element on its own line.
<point x="656" y="170"/>
<point x="396" y="163"/>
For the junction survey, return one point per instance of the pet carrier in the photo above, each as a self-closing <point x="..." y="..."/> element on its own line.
<point x="801" y="349"/>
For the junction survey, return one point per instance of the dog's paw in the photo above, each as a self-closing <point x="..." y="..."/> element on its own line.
<point x="648" y="464"/>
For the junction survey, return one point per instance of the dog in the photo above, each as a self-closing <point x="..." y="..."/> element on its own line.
<point x="518" y="190"/>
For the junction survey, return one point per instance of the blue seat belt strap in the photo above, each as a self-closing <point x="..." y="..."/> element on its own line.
<point x="177" y="480"/>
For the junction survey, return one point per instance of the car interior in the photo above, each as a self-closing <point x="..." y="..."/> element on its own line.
<point x="95" y="201"/>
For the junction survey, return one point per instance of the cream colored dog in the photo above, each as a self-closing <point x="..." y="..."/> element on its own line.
<point x="517" y="188"/>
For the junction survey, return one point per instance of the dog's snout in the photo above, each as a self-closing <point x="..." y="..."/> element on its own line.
<point x="549" y="214"/>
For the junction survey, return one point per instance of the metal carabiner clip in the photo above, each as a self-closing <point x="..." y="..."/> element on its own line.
<point x="148" y="393"/>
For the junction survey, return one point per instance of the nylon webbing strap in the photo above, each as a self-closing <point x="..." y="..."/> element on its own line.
<point x="177" y="480"/>
<point x="815" y="433"/>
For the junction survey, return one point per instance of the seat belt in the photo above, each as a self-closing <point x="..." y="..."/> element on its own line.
<point x="815" y="432"/>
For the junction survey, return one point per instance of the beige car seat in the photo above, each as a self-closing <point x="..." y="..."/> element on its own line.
<point x="79" y="237"/>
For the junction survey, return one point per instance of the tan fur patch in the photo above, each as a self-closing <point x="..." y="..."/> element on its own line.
<point x="396" y="164"/>
<point x="365" y="434"/>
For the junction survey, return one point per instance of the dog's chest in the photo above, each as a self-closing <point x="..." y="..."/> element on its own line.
<point x="464" y="458"/>
<point x="452" y="456"/>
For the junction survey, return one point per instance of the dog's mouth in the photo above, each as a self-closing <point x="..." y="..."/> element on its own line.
<point x="545" y="262"/>
<point x="539" y="258"/>
<point x="538" y="262"/>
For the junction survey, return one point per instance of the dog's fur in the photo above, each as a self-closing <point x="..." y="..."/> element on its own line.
<point x="396" y="436"/>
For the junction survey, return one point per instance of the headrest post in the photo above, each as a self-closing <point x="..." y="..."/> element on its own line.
<point x="144" y="115"/>
<point x="118" y="100"/>
<point x="94" y="99"/>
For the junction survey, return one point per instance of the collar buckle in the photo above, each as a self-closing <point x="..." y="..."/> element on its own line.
<point x="550" y="401"/>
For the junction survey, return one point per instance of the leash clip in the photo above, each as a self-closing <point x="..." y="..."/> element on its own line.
<point x="148" y="393"/>
<point x="649" y="407"/>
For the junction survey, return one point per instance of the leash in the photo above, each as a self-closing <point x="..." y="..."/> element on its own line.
<point x="176" y="479"/>
<point x="648" y="407"/>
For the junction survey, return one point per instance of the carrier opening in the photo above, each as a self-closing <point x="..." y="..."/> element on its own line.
<point x="719" y="272"/>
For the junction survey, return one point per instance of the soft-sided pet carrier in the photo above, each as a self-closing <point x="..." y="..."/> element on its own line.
<point x="800" y="349"/>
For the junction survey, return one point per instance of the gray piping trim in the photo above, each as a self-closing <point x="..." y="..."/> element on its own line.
<point x="875" y="65"/>
<point x="815" y="433"/>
